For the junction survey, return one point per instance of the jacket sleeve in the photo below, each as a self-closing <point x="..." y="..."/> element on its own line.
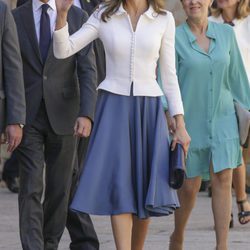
<point x="168" y="71"/>
<point x="12" y="73"/>
<point x="87" y="76"/>
<point x="65" y="45"/>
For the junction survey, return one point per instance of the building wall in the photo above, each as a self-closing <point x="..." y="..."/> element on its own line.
<point x="176" y="8"/>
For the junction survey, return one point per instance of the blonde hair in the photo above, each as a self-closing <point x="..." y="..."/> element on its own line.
<point x="242" y="11"/>
<point x="111" y="6"/>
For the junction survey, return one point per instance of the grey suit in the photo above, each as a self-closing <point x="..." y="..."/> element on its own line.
<point x="53" y="103"/>
<point x="12" y="100"/>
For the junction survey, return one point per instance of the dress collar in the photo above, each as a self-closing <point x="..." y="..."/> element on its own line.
<point x="210" y="32"/>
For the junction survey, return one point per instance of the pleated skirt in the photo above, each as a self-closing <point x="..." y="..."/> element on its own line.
<point x="126" y="168"/>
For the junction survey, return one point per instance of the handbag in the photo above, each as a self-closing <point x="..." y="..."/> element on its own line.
<point x="243" y="117"/>
<point x="177" y="170"/>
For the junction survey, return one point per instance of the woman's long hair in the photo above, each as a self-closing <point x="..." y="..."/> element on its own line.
<point x="111" y="6"/>
<point x="242" y="11"/>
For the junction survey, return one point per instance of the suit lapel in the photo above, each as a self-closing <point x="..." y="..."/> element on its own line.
<point x="29" y="24"/>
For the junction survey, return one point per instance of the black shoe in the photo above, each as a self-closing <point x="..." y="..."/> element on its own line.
<point x="12" y="184"/>
<point x="247" y="189"/>
<point x="204" y="186"/>
<point x="209" y="191"/>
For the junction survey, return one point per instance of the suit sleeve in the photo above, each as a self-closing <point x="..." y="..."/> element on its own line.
<point x="87" y="75"/>
<point x="12" y="73"/>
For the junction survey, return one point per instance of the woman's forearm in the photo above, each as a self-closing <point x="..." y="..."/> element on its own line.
<point x="61" y="20"/>
<point x="179" y="119"/>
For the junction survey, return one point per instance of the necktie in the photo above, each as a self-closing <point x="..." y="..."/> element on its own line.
<point x="45" y="35"/>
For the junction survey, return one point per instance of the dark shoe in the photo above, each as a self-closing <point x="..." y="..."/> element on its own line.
<point x="247" y="189"/>
<point x="209" y="191"/>
<point x="242" y="214"/>
<point x="231" y="224"/>
<point x="12" y="184"/>
<point x="204" y="186"/>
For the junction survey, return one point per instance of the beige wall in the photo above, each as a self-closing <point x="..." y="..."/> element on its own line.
<point x="176" y="8"/>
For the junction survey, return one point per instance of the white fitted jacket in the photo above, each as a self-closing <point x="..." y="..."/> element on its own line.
<point x="131" y="56"/>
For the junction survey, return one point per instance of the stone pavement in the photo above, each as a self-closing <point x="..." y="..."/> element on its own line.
<point x="199" y="235"/>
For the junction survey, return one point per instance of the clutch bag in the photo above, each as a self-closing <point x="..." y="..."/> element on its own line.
<point x="177" y="171"/>
<point x="243" y="117"/>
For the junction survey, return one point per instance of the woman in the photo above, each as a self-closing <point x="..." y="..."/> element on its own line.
<point x="126" y="168"/>
<point x="211" y="75"/>
<point x="237" y="14"/>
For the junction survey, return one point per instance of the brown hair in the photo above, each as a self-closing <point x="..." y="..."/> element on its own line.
<point x="111" y="6"/>
<point x="242" y="11"/>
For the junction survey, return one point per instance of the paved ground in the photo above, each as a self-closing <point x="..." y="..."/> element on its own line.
<point x="200" y="234"/>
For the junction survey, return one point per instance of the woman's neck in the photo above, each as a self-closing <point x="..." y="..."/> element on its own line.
<point x="136" y="6"/>
<point x="198" y="26"/>
<point x="228" y="14"/>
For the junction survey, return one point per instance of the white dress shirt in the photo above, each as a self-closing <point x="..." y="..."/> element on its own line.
<point x="131" y="56"/>
<point x="242" y="32"/>
<point x="37" y="10"/>
<point x="77" y="3"/>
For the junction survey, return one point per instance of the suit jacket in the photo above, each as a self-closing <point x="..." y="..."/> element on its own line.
<point x="60" y="83"/>
<point x="89" y="7"/>
<point x="12" y="100"/>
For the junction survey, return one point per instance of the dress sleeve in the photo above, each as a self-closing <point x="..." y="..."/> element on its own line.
<point x="65" y="45"/>
<point x="168" y="71"/>
<point x="237" y="77"/>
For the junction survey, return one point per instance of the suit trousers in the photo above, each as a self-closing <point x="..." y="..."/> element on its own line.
<point x="79" y="225"/>
<point x="42" y="224"/>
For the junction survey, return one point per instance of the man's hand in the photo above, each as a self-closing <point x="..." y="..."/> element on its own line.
<point x="83" y="127"/>
<point x="13" y="136"/>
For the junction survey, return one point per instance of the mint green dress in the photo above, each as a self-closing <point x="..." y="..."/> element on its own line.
<point x="209" y="83"/>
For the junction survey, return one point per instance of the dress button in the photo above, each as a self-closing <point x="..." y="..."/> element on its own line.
<point x="45" y="77"/>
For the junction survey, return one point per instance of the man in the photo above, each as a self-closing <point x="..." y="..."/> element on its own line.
<point x="52" y="100"/>
<point x="12" y="100"/>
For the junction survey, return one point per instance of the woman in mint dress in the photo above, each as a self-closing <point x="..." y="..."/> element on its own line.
<point x="211" y="76"/>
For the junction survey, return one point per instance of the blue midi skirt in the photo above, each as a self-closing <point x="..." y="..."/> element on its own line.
<point x="126" y="168"/>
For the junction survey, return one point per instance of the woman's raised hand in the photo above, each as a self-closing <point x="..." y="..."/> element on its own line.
<point x="63" y="6"/>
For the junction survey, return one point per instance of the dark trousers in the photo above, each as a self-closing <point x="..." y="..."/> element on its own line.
<point x="42" y="225"/>
<point x="79" y="225"/>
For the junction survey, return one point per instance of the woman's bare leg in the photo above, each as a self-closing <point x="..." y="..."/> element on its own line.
<point x="187" y="196"/>
<point x="221" y="204"/>
<point x="139" y="232"/>
<point x="122" y="230"/>
<point x="239" y="183"/>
